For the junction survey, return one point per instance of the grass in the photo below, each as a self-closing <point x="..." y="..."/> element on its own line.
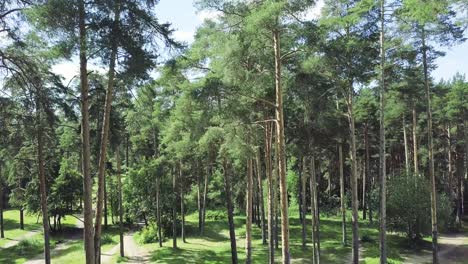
<point x="214" y="246"/>
<point x="12" y="226"/>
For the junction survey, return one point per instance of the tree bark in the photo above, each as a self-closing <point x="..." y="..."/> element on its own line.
<point x="105" y="135"/>
<point x="119" y="178"/>
<point x="405" y="141"/>
<point x="21" y="218"/>
<point x="270" y="199"/>
<point x="174" y="209"/>
<point x="248" y="210"/>
<point x="315" y="212"/>
<point x="158" y="210"/>
<point x="182" y="205"/>
<point x="415" y="141"/>
<point x="2" y="227"/>
<point x="232" y="230"/>
<point x="342" y="195"/>
<point x="260" y="194"/>
<point x="281" y="151"/>
<point x="87" y="180"/>
<point x="42" y="177"/>
<point x="354" y="175"/>
<point x="435" y="258"/>
<point x="449" y="157"/>
<point x="304" y="202"/>
<point x="205" y="193"/>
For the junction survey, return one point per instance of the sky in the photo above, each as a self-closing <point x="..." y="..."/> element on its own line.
<point x="185" y="19"/>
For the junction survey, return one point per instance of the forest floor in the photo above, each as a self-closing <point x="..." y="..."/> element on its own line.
<point x="214" y="246"/>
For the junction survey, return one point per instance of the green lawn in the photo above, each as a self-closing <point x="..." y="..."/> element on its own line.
<point x="12" y="226"/>
<point x="214" y="247"/>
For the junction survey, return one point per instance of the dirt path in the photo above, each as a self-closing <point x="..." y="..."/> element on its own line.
<point x="133" y="252"/>
<point x="453" y="248"/>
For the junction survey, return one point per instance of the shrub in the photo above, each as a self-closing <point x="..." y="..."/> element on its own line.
<point x="149" y="234"/>
<point x="216" y="215"/>
<point x="409" y="206"/>
<point x="106" y="239"/>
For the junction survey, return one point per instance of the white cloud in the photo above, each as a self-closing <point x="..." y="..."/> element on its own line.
<point x="184" y="36"/>
<point x="71" y="68"/>
<point x="208" y="14"/>
<point x="314" y="12"/>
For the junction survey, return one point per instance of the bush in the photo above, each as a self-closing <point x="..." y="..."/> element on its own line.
<point x="106" y="239"/>
<point x="216" y="215"/>
<point x="149" y="234"/>
<point x="28" y="245"/>
<point x="409" y="206"/>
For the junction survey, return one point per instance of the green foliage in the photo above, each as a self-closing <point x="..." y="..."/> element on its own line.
<point x="149" y="234"/>
<point x="409" y="206"/>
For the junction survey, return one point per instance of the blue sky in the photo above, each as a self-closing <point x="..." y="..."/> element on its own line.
<point x="185" y="19"/>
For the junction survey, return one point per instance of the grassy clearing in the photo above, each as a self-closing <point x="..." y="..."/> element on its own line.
<point x="12" y="226"/>
<point x="214" y="246"/>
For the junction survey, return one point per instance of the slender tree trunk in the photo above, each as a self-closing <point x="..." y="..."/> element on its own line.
<point x="87" y="180"/>
<point x="42" y="177"/>
<point x="260" y="194"/>
<point x="449" y="157"/>
<point x="158" y="209"/>
<point x="119" y="178"/>
<point x="270" y="199"/>
<point x="304" y="203"/>
<point x="435" y="258"/>
<point x="276" y="198"/>
<point x="342" y="195"/>
<point x="354" y="175"/>
<point x="365" y="173"/>
<point x="174" y="209"/>
<point x="281" y="151"/>
<point x="105" y="136"/>
<point x="315" y="213"/>
<point x="2" y="227"/>
<point x="21" y="218"/>
<point x="182" y="206"/>
<point x="382" y="159"/>
<point x="199" y="199"/>
<point x="459" y="186"/>
<point x="106" y="224"/>
<point x="415" y="141"/>
<point x="405" y="139"/>
<point x="232" y="230"/>
<point x="248" y="210"/>
<point x="205" y="193"/>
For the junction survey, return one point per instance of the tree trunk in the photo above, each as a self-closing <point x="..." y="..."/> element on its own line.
<point x="119" y="178"/>
<point x="315" y="212"/>
<point x="21" y="218"/>
<point x="449" y="157"/>
<point x="205" y="193"/>
<point x="281" y="151"/>
<point x="158" y="210"/>
<point x="174" y="209"/>
<point x="2" y="227"/>
<point x="365" y="174"/>
<point x="199" y="198"/>
<point x="304" y="203"/>
<point x="260" y="194"/>
<point x="248" y="210"/>
<point x="435" y="258"/>
<point x="87" y="180"/>
<point x="382" y="159"/>
<point x="354" y="175"/>
<point x="182" y="205"/>
<point x="106" y="224"/>
<point x="42" y="176"/>
<point x="232" y="230"/>
<point x="105" y="136"/>
<point x="405" y="141"/>
<point x="342" y="195"/>
<point x="415" y="141"/>
<point x="270" y="199"/>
